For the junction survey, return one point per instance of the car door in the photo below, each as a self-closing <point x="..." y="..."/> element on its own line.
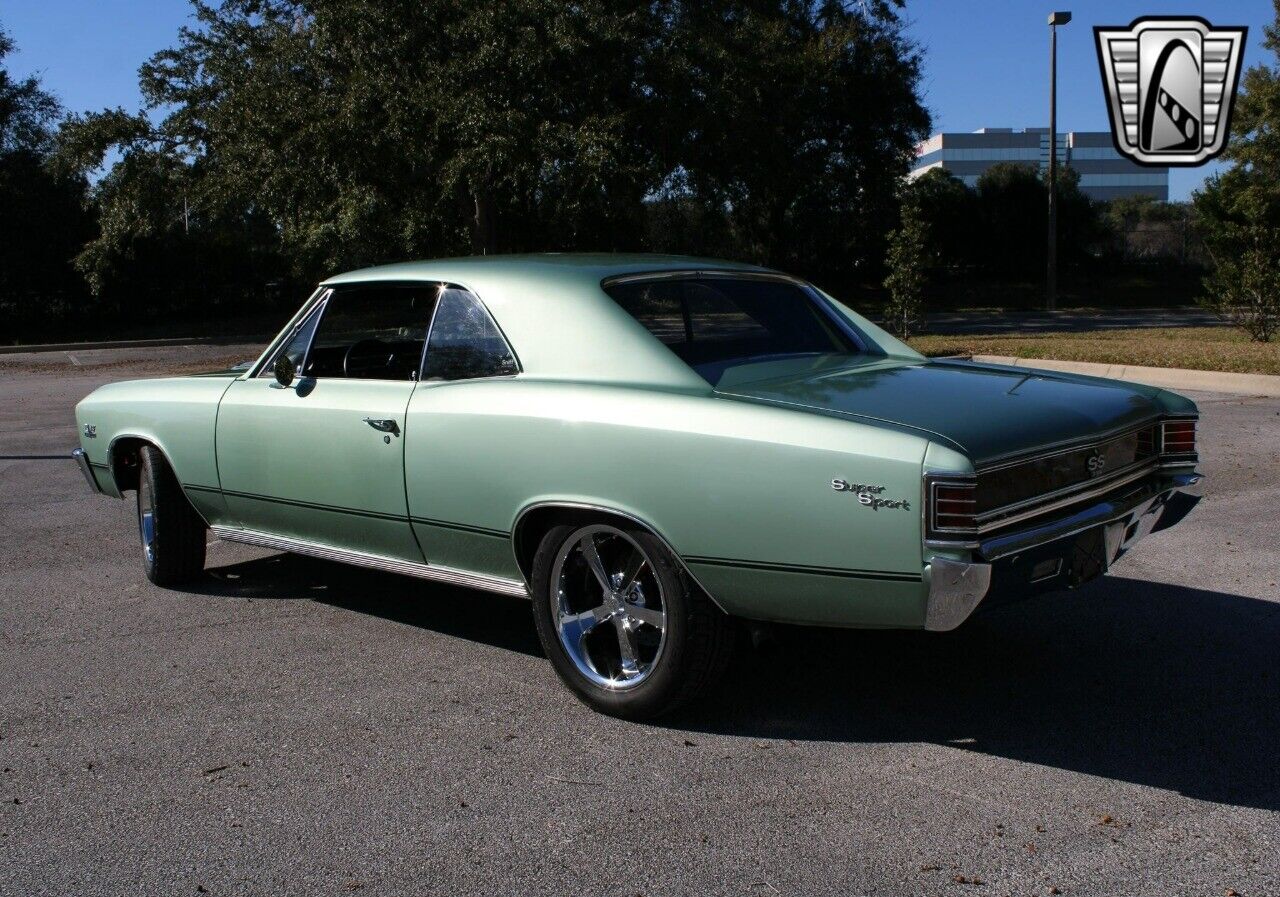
<point x="466" y="389"/>
<point x="322" y="460"/>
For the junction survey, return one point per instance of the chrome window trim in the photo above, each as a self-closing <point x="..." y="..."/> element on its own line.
<point x="687" y="273"/>
<point x="435" y="572"/>
<point x="321" y="307"/>
<point x="864" y="346"/>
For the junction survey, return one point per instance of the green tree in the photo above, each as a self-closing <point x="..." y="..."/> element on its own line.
<point x="796" y="120"/>
<point x="905" y="263"/>
<point x="951" y="208"/>
<point x="367" y="132"/>
<point x="330" y="134"/>
<point x="1013" y="202"/>
<point x="1142" y="226"/>
<point x="42" y="213"/>
<point x="1239" y="211"/>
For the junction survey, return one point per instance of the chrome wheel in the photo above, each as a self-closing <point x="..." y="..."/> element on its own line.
<point x="608" y="606"/>
<point x="147" y="519"/>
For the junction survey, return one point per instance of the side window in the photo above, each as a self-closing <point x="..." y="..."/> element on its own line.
<point x="372" y="332"/>
<point x="296" y="348"/>
<point x="465" y="342"/>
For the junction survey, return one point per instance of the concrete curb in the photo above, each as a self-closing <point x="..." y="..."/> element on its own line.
<point x="137" y="344"/>
<point x="1172" y="378"/>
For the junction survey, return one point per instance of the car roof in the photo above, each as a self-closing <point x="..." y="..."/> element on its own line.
<point x="559" y="321"/>
<point x="573" y="265"/>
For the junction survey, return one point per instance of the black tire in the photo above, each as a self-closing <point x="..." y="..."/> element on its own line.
<point x="178" y="533"/>
<point x="697" y="643"/>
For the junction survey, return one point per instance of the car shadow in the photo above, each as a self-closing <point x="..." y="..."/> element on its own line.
<point x="478" y="616"/>
<point x="1154" y="684"/>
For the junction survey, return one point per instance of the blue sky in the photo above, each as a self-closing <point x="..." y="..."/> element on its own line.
<point x="986" y="63"/>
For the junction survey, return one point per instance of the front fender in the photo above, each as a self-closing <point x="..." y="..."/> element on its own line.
<point x="176" y="415"/>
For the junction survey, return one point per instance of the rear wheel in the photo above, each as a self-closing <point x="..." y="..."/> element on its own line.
<point x="621" y="623"/>
<point x="171" y="532"/>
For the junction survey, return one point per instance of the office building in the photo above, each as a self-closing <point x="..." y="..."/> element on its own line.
<point x="1104" y="173"/>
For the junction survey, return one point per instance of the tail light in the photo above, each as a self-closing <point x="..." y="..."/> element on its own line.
<point x="1178" y="439"/>
<point x="1147" y="443"/>
<point x="953" y="510"/>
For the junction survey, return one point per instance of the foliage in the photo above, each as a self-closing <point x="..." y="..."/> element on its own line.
<point x="795" y="120"/>
<point x="1144" y="228"/>
<point x="42" y="213"/>
<point x="1000" y="226"/>
<point x="953" y="213"/>
<point x="1239" y="211"/>
<point x="331" y="134"/>
<point x="905" y="263"/>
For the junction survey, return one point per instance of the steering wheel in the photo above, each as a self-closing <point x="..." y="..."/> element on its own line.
<point x="378" y="355"/>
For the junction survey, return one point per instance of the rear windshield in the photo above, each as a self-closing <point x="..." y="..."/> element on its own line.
<point x="717" y="323"/>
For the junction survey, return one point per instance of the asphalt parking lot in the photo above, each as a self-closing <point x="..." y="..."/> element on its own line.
<point x="289" y="726"/>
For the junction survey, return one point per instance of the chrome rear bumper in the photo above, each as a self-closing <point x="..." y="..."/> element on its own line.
<point x="82" y="460"/>
<point x="1128" y="505"/>
<point x="956" y="588"/>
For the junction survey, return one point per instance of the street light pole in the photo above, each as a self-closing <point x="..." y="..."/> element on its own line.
<point x="1051" y="285"/>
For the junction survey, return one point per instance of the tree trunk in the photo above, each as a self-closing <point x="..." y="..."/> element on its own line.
<point x="483" y="231"/>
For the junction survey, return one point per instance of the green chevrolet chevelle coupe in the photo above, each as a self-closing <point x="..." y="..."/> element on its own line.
<point x="648" y="447"/>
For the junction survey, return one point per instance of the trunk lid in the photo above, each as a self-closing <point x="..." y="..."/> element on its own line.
<point x="988" y="412"/>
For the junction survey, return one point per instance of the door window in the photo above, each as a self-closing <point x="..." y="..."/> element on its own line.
<point x="372" y="332"/>
<point x="465" y="342"/>
<point x="296" y="348"/>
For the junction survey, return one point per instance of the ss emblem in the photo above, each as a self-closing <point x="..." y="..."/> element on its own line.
<point x="1096" y="464"/>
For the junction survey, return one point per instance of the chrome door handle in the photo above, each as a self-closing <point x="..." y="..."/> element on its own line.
<point x="383" y="426"/>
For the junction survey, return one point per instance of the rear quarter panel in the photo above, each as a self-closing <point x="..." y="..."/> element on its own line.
<point x="742" y="491"/>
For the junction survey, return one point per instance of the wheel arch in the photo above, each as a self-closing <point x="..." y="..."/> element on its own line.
<point x="124" y="462"/>
<point x="535" y="519"/>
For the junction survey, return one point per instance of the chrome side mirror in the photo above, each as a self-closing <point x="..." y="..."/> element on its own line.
<point x="285" y="371"/>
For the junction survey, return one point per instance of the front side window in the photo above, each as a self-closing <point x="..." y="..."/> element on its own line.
<point x="372" y="332"/>
<point x="717" y="323"/>
<point x="296" y="348"/>
<point x="465" y="342"/>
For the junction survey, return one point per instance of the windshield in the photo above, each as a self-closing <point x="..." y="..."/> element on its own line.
<point x="715" y="324"/>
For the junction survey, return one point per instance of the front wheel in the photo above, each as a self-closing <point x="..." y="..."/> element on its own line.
<point x="621" y="623"/>
<point x="172" y="533"/>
